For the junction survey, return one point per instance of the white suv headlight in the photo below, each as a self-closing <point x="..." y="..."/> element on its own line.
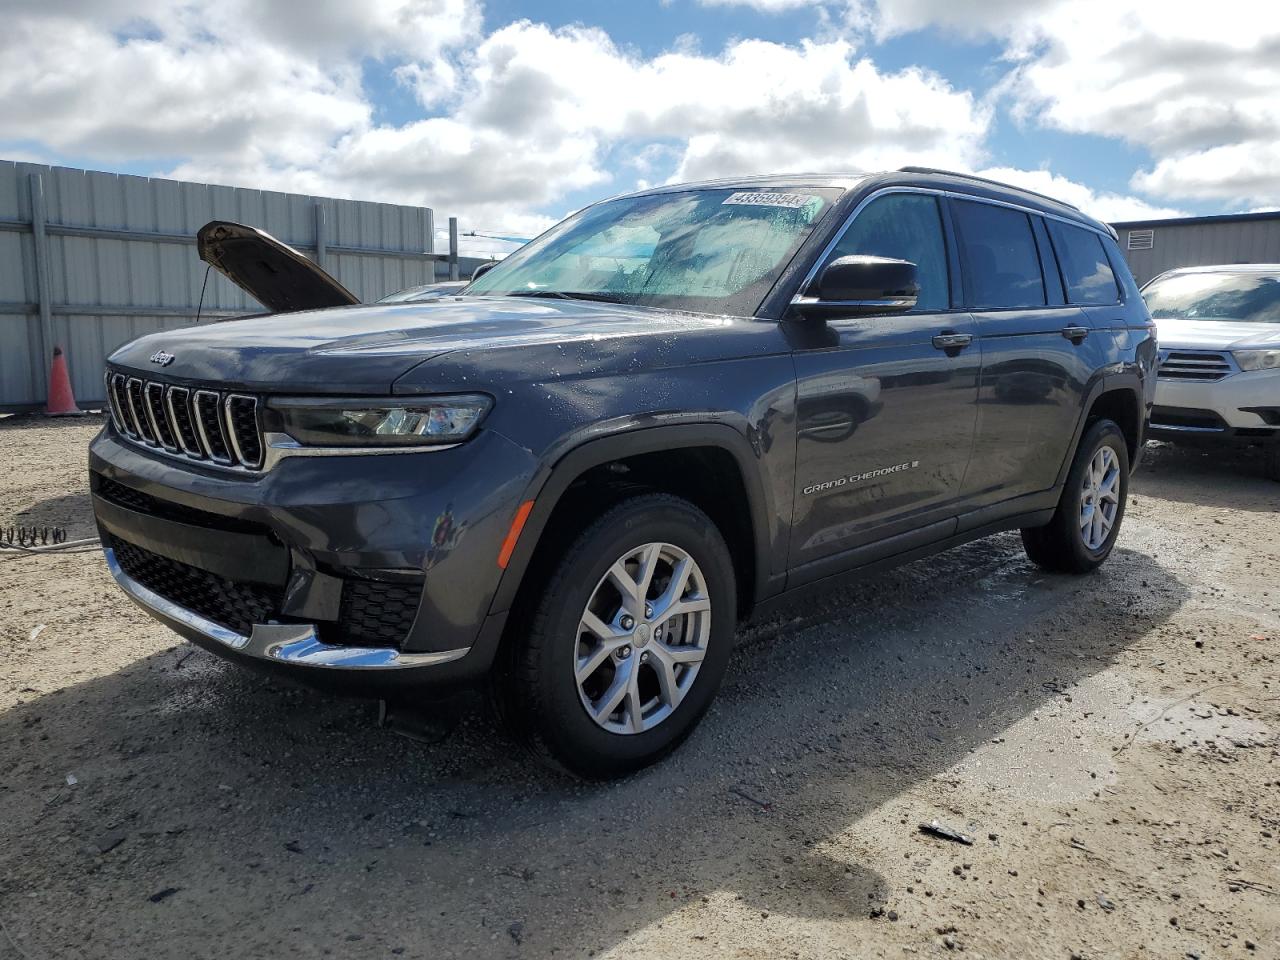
<point x="1257" y="359"/>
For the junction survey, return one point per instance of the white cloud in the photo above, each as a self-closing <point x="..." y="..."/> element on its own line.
<point x="1107" y="207"/>
<point x="243" y="81"/>
<point x="757" y="106"/>
<point x="1195" y="85"/>
<point x="514" y="121"/>
<point x="540" y="109"/>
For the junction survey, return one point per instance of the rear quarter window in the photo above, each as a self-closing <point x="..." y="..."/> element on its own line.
<point x="1001" y="260"/>
<point x="1086" y="271"/>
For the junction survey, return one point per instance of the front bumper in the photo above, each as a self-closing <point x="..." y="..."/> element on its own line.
<point x="262" y="569"/>
<point x="1243" y="408"/>
<point x="287" y="643"/>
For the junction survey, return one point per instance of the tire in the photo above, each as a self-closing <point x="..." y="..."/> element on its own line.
<point x="1061" y="545"/>
<point x="539" y="694"/>
<point x="1271" y="461"/>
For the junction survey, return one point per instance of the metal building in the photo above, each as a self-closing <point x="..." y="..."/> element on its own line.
<point x="90" y="260"/>
<point x="1154" y="246"/>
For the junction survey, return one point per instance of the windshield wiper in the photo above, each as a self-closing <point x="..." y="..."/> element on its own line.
<point x="566" y="295"/>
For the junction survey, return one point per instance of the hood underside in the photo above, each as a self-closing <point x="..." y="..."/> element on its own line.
<point x="275" y="274"/>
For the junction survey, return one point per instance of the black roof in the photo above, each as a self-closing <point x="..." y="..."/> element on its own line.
<point x="1189" y="221"/>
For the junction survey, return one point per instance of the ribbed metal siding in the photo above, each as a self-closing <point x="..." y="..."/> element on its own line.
<point x="1176" y="244"/>
<point x="162" y="278"/>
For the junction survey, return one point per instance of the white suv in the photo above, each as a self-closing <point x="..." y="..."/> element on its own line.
<point x="1219" y="379"/>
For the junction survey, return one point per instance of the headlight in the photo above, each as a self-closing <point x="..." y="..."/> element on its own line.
<point x="1257" y="359"/>
<point x="376" y="423"/>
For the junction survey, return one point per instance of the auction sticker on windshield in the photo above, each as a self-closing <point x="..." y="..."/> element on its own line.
<point x="793" y="201"/>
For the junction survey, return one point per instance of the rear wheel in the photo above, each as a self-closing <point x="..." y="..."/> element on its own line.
<point x="1271" y="461"/>
<point x="627" y="641"/>
<point x="1084" y="528"/>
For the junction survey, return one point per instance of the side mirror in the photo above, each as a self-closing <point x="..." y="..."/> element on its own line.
<point x="484" y="268"/>
<point x="860" y="286"/>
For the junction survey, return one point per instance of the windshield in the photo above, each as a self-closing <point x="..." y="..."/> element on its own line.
<point x="712" y="251"/>
<point x="1248" y="297"/>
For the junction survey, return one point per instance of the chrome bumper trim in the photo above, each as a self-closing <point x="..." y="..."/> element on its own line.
<point x="291" y="643"/>
<point x="1185" y="429"/>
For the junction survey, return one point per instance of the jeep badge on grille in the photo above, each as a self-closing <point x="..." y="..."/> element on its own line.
<point x="162" y="358"/>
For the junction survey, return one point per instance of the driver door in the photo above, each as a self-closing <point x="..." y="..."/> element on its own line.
<point x="886" y="412"/>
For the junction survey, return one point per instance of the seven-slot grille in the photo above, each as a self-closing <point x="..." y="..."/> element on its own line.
<point x="206" y="425"/>
<point x="1195" y="365"/>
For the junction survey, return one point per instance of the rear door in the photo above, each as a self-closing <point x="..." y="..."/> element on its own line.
<point x="1035" y="351"/>
<point x="885" y="409"/>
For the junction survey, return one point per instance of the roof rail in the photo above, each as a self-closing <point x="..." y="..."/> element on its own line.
<point x="994" y="183"/>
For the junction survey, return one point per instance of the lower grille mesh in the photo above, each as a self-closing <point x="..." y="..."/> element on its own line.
<point x="378" y="614"/>
<point x="236" y="606"/>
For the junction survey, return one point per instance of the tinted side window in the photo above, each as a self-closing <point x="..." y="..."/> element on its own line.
<point x="905" y="226"/>
<point x="1001" y="263"/>
<point x="1085" y="268"/>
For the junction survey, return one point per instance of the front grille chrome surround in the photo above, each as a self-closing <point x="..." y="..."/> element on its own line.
<point x="157" y="416"/>
<point x="177" y="401"/>
<point x="205" y="426"/>
<point x="207" y="407"/>
<point x="137" y="412"/>
<point x="1201" y="366"/>
<point x="244" y="430"/>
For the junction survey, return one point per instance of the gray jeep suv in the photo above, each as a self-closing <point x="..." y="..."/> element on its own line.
<point x="577" y="475"/>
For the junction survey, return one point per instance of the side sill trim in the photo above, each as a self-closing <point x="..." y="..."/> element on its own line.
<point x="292" y="643"/>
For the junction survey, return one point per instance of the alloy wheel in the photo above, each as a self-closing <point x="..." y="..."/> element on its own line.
<point x="642" y="638"/>
<point x="1099" y="498"/>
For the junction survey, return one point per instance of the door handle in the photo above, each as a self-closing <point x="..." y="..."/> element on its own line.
<point x="1075" y="334"/>
<point x="952" y="341"/>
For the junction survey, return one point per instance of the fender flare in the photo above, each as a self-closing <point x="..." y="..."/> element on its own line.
<point x="552" y="481"/>
<point x="1108" y="383"/>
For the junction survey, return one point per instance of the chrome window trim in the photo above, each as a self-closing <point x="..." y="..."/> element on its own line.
<point x="884" y="304"/>
<point x="230" y="431"/>
<point x="151" y="415"/>
<point x="203" y="434"/>
<point x="949" y="194"/>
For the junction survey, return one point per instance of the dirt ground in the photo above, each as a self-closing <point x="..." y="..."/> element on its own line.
<point x="1109" y="742"/>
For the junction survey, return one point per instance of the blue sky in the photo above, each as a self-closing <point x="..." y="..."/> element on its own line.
<point x="511" y="113"/>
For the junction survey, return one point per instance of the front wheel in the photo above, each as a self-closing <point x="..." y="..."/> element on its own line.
<point x="627" y="641"/>
<point x="1084" y="528"/>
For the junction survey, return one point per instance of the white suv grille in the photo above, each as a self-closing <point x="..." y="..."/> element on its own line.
<point x="1195" y="365"/>
<point x="211" y="426"/>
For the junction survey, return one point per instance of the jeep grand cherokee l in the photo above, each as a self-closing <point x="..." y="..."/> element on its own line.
<point x="577" y="475"/>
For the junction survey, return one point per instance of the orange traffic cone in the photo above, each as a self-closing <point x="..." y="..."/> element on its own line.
<point x="62" y="401"/>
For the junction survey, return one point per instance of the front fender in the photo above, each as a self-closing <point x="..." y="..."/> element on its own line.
<point x="559" y="471"/>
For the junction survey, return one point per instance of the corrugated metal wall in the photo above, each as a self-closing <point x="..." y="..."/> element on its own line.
<point x="121" y="261"/>
<point x="1193" y="244"/>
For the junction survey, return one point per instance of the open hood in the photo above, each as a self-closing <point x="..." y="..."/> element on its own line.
<point x="273" y="273"/>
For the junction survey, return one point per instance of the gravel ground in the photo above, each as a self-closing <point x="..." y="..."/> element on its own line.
<point x="1109" y="742"/>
